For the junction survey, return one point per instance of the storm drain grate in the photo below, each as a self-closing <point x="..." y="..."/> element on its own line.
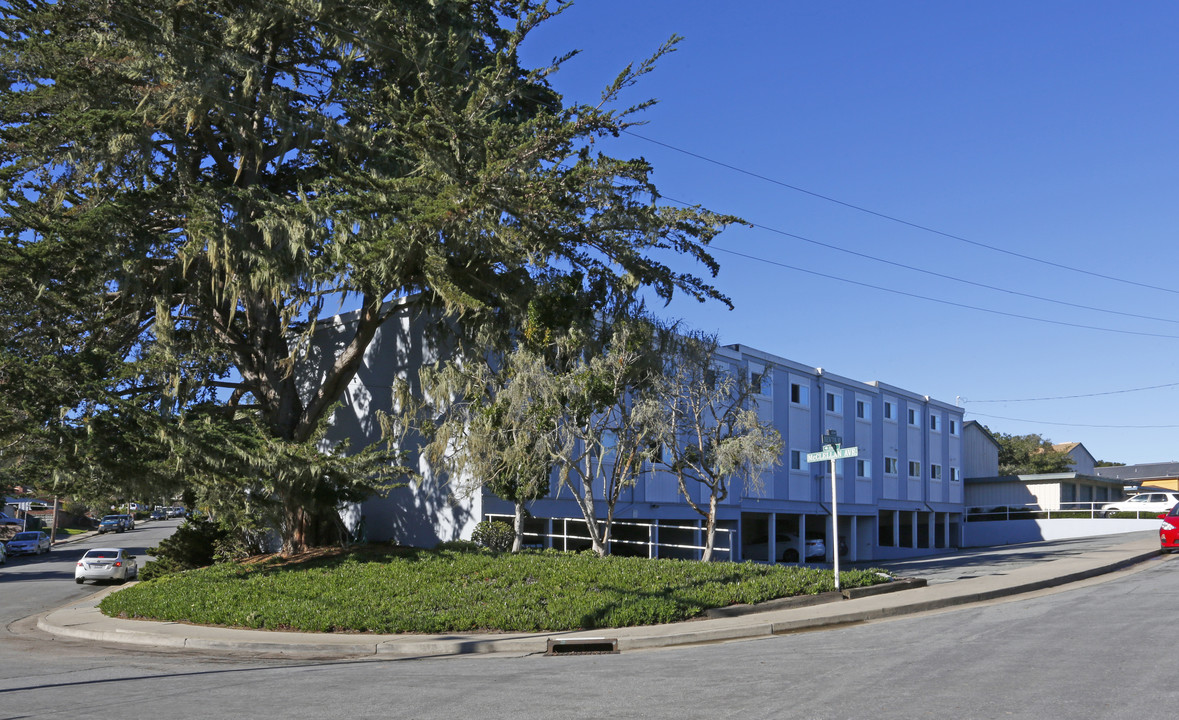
<point x="583" y="646"/>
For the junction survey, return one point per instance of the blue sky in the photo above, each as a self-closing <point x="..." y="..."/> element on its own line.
<point x="1041" y="129"/>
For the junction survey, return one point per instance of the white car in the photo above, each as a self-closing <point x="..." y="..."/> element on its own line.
<point x="786" y="547"/>
<point x="106" y="564"/>
<point x="31" y="542"/>
<point x="1150" y="503"/>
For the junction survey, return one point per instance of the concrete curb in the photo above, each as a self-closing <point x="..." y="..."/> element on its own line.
<point x="84" y="621"/>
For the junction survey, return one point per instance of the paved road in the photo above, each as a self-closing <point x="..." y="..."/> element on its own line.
<point x="1095" y="650"/>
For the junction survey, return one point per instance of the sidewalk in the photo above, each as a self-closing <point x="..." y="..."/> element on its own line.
<point x="957" y="579"/>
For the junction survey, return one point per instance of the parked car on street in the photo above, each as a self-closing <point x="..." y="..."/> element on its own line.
<point x="1169" y="531"/>
<point x="176" y="512"/>
<point x="3" y="553"/>
<point x="1152" y="503"/>
<point x="106" y="564"/>
<point x="159" y="514"/>
<point x="30" y="542"/>
<point x="111" y="523"/>
<point x="128" y="521"/>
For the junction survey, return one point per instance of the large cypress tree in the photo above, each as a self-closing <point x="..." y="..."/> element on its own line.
<point x="185" y="187"/>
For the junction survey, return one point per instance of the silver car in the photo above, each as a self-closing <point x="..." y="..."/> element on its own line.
<point x="106" y="564"/>
<point x="30" y="542"/>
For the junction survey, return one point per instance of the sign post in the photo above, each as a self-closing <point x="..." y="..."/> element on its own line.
<point x="833" y="451"/>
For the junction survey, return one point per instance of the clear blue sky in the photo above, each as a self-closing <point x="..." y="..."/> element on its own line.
<point x="1045" y="129"/>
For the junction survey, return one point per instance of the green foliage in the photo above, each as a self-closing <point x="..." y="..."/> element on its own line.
<point x="193" y="545"/>
<point x="494" y="535"/>
<point x="184" y="185"/>
<point x="408" y="590"/>
<point x="1029" y="455"/>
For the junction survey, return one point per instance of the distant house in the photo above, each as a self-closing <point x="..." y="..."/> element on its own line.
<point x="1160" y="475"/>
<point x="1083" y="461"/>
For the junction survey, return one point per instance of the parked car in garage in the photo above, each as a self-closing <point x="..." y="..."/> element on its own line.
<point x="30" y="542"/>
<point x="106" y="564"/>
<point x="786" y="547"/>
<point x="1152" y="503"/>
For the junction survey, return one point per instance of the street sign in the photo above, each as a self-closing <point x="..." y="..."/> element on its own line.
<point x="832" y="454"/>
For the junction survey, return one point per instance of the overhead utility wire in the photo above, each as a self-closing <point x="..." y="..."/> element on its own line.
<point x="1071" y="397"/>
<point x="941" y="275"/>
<point x="1081" y="425"/>
<point x="901" y="221"/>
<point x="943" y="302"/>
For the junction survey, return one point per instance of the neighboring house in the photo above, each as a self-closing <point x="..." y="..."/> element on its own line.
<point x="1160" y="475"/>
<point x="981" y="451"/>
<point x="1047" y="491"/>
<point x="902" y="496"/>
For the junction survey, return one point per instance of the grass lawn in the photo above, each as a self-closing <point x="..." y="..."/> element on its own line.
<point x="382" y="589"/>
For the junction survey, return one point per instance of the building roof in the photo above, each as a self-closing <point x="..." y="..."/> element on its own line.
<point x="1065" y="447"/>
<point x="1047" y="478"/>
<point x="982" y="431"/>
<point x="1138" y="473"/>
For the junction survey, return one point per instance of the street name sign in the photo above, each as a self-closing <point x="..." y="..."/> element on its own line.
<point x="838" y="454"/>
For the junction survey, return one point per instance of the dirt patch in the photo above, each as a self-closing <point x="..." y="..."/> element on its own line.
<point x="319" y="553"/>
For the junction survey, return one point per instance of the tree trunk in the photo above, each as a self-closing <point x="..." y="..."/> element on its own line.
<point x="710" y="533"/>
<point x="518" y="541"/>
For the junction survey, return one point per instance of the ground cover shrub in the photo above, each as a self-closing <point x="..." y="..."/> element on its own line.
<point x="394" y="590"/>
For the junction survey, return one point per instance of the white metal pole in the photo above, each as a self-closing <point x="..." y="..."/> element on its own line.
<point x="835" y="523"/>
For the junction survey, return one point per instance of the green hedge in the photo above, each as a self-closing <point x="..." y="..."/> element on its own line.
<point x="407" y="590"/>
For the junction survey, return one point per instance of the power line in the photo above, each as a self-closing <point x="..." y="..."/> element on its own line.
<point x="1081" y="425"/>
<point x="943" y="302"/>
<point x="944" y="276"/>
<point x="893" y="218"/>
<point x="1071" y="397"/>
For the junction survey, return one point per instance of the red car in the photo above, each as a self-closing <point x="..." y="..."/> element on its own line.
<point x="1169" y="532"/>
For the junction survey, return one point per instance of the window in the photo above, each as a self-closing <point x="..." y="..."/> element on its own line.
<point x="953" y="426"/>
<point x="834" y="403"/>
<point x="761" y="381"/>
<point x="955" y="475"/>
<point x="890" y="466"/>
<point x="863" y="468"/>
<point x="914" y="417"/>
<point x="799" y="394"/>
<point x="914" y="469"/>
<point x="863" y="410"/>
<point x="933" y="423"/>
<point x="889" y="413"/>
<point x="797" y="460"/>
<point x="935" y="472"/>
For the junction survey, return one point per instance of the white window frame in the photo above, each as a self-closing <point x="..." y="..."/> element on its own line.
<point x="955" y="426"/>
<point x="863" y="468"/>
<point x="890" y="411"/>
<point x="863" y="409"/>
<point x="895" y="463"/>
<point x="915" y="465"/>
<point x="955" y="474"/>
<point x="935" y="472"/>
<point x="914" y="417"/>
<point x="934" y="426"/>
<point x="804" y="395"/>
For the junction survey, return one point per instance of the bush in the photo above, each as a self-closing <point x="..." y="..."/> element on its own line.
<point x="494" y="535"/>
<point x="193" y="545"/>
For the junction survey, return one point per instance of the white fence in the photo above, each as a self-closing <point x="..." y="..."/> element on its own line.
<point x="650" y="539"/>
